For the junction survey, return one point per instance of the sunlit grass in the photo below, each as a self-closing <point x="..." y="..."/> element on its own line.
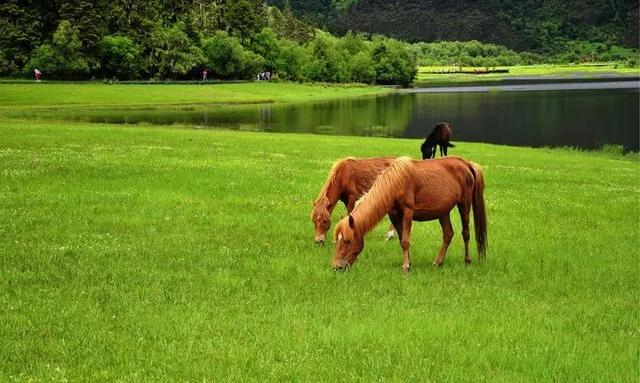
<point x="57" y="95"/>
<point x="552" y="70"/>
<point x="171" y="254"/>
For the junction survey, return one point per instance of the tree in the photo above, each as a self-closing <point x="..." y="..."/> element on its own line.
<point x="291" y="61"/>
<point x="392" y="62"/>
<point x="326" y="63"/>
<point x="174" y="52"/>
<point x="244" y="18"/>
<point x="63" y="58"/>
<point x="86" y="17"/>
<point x="223" y="55"/>
<point x="21" y="31"/>
<point x="266" y="44"/>
<point x="360" y="68"/>
<point x="120" y="57"/>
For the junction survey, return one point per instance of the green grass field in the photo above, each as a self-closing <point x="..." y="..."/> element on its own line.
<point x="134" y="253"/>
<point x="543" y="71"/>
<point x="58" y="95"/>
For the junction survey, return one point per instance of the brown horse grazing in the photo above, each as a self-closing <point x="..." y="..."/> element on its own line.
<point x="439" y="136"/>
<point x="348" y="180"/>
<point x="419" y="191"/>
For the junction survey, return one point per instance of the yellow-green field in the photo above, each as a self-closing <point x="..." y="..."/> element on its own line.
<point x="543" y="71"/>
<point x="57" y="95"/>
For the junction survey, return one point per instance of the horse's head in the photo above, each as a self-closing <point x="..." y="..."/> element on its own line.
<point x="321" y="218"/>
<point x="349" y="243"/>
<point x="427" y="151"/>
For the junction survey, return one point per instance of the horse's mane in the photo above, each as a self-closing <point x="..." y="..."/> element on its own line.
<point x="337" y="166"/>
<point x="377" y="202"/>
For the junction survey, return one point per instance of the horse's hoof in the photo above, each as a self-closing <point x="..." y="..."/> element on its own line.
<point x="437" y="264"/>
<point x="406" y="269"/>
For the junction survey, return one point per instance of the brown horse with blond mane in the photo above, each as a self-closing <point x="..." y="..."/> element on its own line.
<point x="348" y="180"/>
<point x="411" y="190"/>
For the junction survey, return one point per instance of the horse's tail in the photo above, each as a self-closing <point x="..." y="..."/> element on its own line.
<point x="479" y="214"/>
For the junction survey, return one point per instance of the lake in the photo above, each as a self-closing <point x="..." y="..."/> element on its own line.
<point x="552" y="115"/>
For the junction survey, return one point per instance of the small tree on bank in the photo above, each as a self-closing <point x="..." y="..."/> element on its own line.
<point x="63" y="58"/>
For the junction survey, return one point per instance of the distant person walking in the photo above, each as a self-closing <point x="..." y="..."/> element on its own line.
<point x="204" y="75"/>
<point x="37" y="74"/>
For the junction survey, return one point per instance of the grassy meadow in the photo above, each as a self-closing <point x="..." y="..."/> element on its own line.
<point x="44" y="95"/>
<point x="134" y="253"/>
<point x="586" y="71"/>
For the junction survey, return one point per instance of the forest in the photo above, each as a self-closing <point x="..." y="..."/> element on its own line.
<point x="342" y="41"/>
<point x="79" y="39"/>
<point x="542" y="26"/>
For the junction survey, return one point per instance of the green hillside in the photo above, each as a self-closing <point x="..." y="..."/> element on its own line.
<point x="533" y="25"/>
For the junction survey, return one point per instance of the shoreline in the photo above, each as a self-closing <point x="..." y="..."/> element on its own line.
<point x="632" y="83"/>
<point x="465" y="80"/>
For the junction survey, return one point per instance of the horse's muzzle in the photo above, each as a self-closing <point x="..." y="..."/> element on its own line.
<point x="341" y="265"/>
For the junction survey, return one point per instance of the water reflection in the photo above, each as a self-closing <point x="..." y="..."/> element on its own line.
<point x="581" y="118"/>
<point x="586" y="119"/>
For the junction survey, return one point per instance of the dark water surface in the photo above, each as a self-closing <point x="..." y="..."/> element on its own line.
<point x="585" y="118"/>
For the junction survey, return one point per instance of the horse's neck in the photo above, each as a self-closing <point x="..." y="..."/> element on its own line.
<point x="370" y="211"/>
<point x="333" y="192"/>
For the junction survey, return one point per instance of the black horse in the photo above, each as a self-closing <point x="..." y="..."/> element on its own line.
<point x="440" y="135"/>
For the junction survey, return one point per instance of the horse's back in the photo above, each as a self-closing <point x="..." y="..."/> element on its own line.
<point x="363" y="172"/>
<point x="439" y="185"/>
<point x="449" y="173"/>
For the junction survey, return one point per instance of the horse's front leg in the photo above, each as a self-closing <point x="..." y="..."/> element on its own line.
<point x="398" y="221"/>
<point x="406" y="234"/>
<point x="447" y="235"/>
<point x="350" y="203"/>
<point x="407" y="217"/>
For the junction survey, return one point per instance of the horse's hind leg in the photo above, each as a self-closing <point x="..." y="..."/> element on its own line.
<point x="446" y="146"/>
<point x="447" y="235"/>
<point x="464" y="216"/>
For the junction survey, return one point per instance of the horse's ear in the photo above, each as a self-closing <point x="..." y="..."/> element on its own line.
<point x="352" y="224"/>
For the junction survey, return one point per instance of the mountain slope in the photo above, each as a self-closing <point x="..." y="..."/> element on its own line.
<point x="517" y="24"/>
